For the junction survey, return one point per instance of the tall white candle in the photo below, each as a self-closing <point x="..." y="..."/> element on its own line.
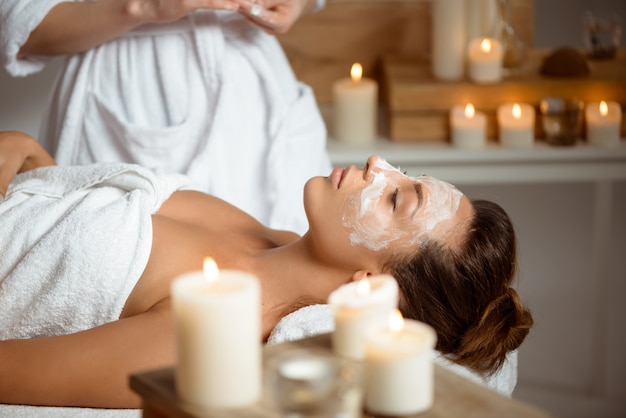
<point x="448" y="39"/>
<point x="355" y="107"/>
<point x="516" y="123"/>
<point x="604" y="121"/>
<point x="357" y="306"/>
<point x="218" y="335"/>
<point x="399" y="368"/>
<point x="468" y="127"/>
<point x="484" y="56"/>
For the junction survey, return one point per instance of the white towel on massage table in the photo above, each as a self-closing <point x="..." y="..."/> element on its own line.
<point x="74" y="241"/>
<point x="318" y="319"/>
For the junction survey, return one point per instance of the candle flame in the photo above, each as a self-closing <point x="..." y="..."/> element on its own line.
<point x="363" y="287"/>
<point x="485" y="45"/>
<point x="517" y="111"/>
<point x="396" y="321"/>
<point x="356" y="72"/>
<point x="604" y="108"/>
<point x="210" y="269"/>
<point x="469" y="111"/>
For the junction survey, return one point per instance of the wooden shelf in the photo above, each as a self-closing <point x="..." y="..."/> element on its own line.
<point x="417" y="105"/>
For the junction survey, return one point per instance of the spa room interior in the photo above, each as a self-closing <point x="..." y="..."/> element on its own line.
<point x="567" y="199"/>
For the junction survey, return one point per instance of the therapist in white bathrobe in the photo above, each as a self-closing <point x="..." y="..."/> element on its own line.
<point x="199" y="87"/>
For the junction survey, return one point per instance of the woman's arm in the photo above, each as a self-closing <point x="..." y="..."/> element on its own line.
<point x="89" y="368"/>
<point x="18" y="153"/>
<point x="73" y="27"/>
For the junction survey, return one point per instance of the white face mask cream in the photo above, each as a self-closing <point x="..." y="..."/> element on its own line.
<point x="370" y="228"/>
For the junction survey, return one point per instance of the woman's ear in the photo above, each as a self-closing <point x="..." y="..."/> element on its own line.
<point x="360" y="274"/>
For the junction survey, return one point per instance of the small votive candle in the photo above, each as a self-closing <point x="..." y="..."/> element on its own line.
<point x="355" y="107"/>
<point x="356" y="307"/>
<point x="399" y="368"/>
<point x="217" y="317"/>
<point x="484" y="57"/>
<point x="309" y="382"/>
<point x="604" y="121"/>
<point x="516" y="123"/>
<point x="468" y="127"/>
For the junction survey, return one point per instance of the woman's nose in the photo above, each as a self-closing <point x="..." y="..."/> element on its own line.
<point x="371" y="163"/>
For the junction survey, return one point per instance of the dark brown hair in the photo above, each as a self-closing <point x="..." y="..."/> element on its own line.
<point x="464" y="291"/>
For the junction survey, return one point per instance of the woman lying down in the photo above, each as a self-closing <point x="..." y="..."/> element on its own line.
<point x="89" y="253"/>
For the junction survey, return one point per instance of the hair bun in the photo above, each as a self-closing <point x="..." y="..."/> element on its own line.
<point x="503" y="326"/>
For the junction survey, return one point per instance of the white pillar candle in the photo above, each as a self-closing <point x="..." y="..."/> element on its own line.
<point x="468" y="127"/>
<point x="516" y="122"/>
<point x="218" y="335"/>
<point x="604" y="122"/>
<point x="356" y="307"/>
<point x="484" y="56"/>
<point x="399" y="368"/>
<point x="355" y="107"/>
<point x="448" y="39"/>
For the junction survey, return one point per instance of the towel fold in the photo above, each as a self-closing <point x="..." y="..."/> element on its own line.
<point x="318" y="319"/>
<point x="74" y="242"/>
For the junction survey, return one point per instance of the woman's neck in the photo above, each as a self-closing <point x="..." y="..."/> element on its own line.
<point x="291" y="278"/>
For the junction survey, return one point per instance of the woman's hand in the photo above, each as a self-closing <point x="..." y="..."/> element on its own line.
<point x="18" y="153"/>
<point x="275" y="16"/>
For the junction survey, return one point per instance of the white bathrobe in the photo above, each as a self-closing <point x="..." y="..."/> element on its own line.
<point x="211" y="96"/>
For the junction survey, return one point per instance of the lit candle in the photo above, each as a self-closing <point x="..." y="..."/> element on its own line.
<point x="604" y="122"/>
<point x="484" y="56"/>
<point x="516" y="122"/>
<point x="468" y="127"/>
<point x="313" y="383"/>
<point x="356" y="307"/>
<point x="217" y="317"/>
<point x="399" y="368"/>
<point x="355" y="107"/>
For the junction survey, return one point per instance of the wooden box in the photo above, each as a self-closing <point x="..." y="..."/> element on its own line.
<point x="418" y="105"/>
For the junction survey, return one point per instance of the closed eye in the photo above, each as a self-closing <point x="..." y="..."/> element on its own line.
<point x="394" y="198"/>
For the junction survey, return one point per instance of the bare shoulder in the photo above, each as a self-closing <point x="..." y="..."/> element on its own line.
<point x="204" y="210"/>
<point x="214" y="214"/>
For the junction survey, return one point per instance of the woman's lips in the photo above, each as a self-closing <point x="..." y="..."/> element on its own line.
<point x="336" y="176"/>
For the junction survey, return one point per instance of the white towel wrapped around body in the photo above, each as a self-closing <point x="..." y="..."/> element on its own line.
<point x="318" y="319"/>
<point x="74" y="242"/>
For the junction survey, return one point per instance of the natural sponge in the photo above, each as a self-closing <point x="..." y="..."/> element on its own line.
<point x="565" y="62"/>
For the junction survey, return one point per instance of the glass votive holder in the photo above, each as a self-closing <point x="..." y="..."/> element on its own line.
<point x="561" y="120"/>
<point x="314" y="384"/>
<point x="602" y="32"/>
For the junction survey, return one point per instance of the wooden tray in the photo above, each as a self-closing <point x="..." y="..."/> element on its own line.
<point x="455" y="396"/>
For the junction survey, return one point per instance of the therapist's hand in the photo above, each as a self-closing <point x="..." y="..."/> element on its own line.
<point x="275" y="16"/>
